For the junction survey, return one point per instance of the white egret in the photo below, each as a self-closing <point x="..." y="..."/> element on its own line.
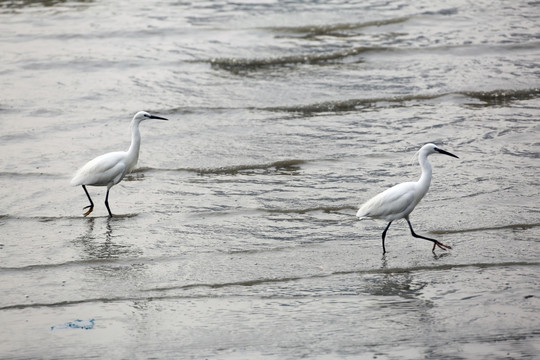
<point x="400" y="200"/>
<point x="109" y="169"/>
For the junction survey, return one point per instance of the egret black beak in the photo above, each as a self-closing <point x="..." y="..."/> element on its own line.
<point x="157" y="117"/>
<point x="446" y="153"/>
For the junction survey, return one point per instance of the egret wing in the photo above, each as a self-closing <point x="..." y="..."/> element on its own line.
<point x="390" y="204"/>
<point x="102" y="170"/>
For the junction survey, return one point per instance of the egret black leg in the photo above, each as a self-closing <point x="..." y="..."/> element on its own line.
<point x="435" y="242"/>
<point x="107" y="203"/>
<point x="384" y="236"/>
<point x="89" y="207"/>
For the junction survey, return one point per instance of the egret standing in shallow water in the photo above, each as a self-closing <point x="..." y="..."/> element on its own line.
<point x="400" y="200"/>
<point x="109" y="169"/>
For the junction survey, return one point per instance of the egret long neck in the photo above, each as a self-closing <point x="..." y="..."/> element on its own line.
<point x="133" y="152"/>
<point x="425" y="178"/>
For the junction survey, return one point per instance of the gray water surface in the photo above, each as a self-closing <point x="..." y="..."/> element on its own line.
<point x="236" y="238"/>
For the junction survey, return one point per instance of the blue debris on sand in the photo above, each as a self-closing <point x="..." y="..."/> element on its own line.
<point x="77" y="324"/>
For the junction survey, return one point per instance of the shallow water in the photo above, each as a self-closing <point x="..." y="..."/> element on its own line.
<point x="236" y="237"/>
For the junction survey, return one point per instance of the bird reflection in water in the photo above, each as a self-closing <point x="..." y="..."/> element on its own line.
<point x="98" y="243"/>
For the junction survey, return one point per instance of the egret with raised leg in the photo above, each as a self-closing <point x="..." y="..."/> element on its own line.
<point x="400" y="200"/>
<point x="109" y="169"/>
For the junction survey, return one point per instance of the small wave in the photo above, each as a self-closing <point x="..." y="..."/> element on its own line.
<point x="70" y="217"/>
<point x="502" y="96"/>
<point x="351" y="104"/>
<point x="63" y="303"/>
<point x="281" y="165"/>
<point x="256" y="282"/>
<point x="489" y="228"/>
<point x="246" y="65"/>
<point x="527" y="154"/>
<point x="11" y="5"/>
<point x="337" y="30"/>
<point x="12" y="174"/>
<point x="258" y="250"/>
<point x="76" y="263"/>
<point x="262" y="281"/>
<point x="326" y="209"/>
<point x="445" y="12"/>
<point x="486" y="98"/>
<point x="350" y="29"/>
<point x="243" y="65"/>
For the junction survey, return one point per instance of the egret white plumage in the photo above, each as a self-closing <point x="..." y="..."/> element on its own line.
<point x="109" y="169"/>
<point x="400" y="200"/>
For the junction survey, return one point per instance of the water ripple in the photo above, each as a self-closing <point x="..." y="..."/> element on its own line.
<point x="261" y="281"/>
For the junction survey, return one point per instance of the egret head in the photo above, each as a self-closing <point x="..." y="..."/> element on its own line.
<point x="143" y="115"/>
<point x="432" y="149"/>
